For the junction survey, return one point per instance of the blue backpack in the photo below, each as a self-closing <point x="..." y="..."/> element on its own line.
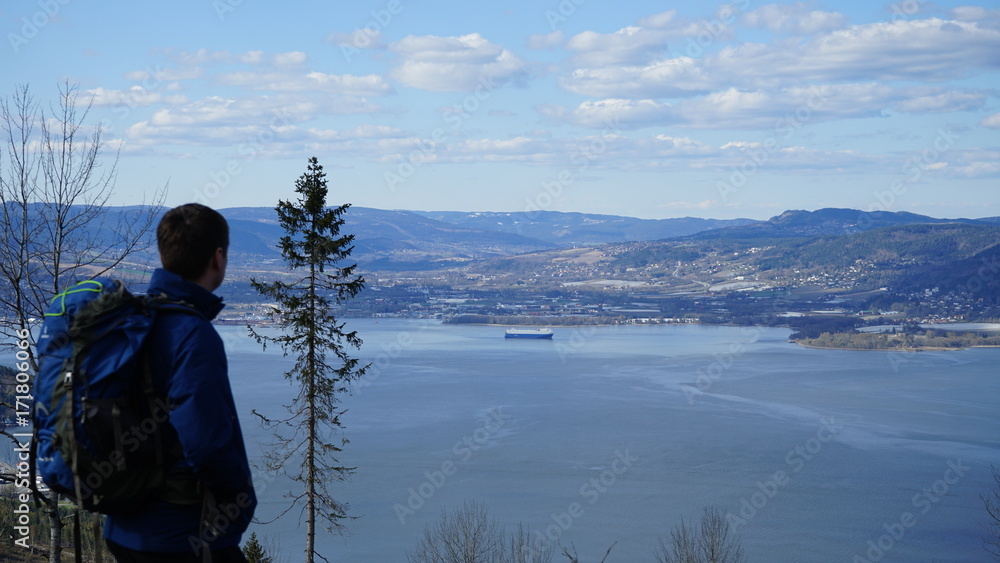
<point x="97" y="417"/>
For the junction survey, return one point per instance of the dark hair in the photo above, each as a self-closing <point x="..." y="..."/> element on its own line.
<point x="187" y="237"/>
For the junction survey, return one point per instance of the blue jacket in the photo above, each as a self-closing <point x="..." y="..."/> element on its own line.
<point x="189" y="368"/>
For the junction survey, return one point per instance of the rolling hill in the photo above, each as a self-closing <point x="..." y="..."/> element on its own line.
<point x="574" y="229"/>
<point x="384" y="239"/>
<point x="828" y="221"/>
<point x="905" y="247"/>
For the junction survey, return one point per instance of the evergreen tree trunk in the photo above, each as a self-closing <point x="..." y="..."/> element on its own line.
<point x="311" y="417"/>
<point x="311" y="479"/>
<point x="311" y="482"/>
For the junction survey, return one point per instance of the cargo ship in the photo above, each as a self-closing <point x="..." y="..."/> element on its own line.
<point x="528" y="333"/>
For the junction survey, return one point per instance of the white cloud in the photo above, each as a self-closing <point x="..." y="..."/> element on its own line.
<point x="364" y="38"/>
<point x="612" y="151"/>
<point x="972" y="163"/>
<point x="209" y="57"/>
<point x="136" y="96"/>
<point x="640" y="44"/>
<point x="797" y="19"/>
<point x="290" y="59"/>
<point x="252" y="57"/>
<point x="201" y="57"/>
<point x="280" y="81"/>
<point x="191" y="65"/>
<point x="276" y="72"/>
<point x="160" y="74"/>
<point x="454" y="64"/>
<point x="733" y="108"/>
<point x="366" y="131"/>
<point x="546" y="41"/>
<point x="517" y="149"/>
<point x="598" y="114"/>
<point x="628" y="45"/>
<point x="217" y="123"/>
<point x="760" y="109"/>
<point x="258" y="109"/>
<point x="982" y="16"/>
<point x="930" y="50"/>
<point x="973" y="13"/>
<point x="467" y="49"/>
<point x="992" y="121"/>
<point x="368" y="85"/>
<point x="226" y="122"/>
<point x="680" y="76"/>
<point x="661" y="20"/>
<point x="772" y="109"/>
<point x="919" y="50"/>
<point x="296" y="95"/>
<point x="936" y="100"/>
<point x="214" y="110"/>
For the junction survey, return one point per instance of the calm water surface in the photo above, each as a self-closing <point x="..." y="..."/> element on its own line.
<point x="613" y="434"/>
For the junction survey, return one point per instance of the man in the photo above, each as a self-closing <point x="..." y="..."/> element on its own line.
<point x="189" y="369"/>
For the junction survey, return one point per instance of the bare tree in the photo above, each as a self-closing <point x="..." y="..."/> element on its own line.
<point x="521" y="548"/>
<point x="683" y="546"/>
<point x="75" y="196"/>
<point x="711" y="542"/>
<point x="991" y="501"/>
<point x="54" y="222"/>
<point x="469" y="535"/>
<point x="20" y="266"/>
<point x="55" y="218"/>
<point x="574" y="558"/>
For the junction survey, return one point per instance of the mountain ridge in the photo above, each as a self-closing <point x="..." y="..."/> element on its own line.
<point x="396" y="240"/>
<point x="826" y="221"/>
<point x="574" y="228"/>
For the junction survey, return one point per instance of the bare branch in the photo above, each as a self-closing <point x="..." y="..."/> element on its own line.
<point x="991" y="501"/>
<point x="712" y="540"/>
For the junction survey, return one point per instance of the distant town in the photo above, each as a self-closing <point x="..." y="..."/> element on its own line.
<point x="542" y="300"/>
<point x="832" y="271"/>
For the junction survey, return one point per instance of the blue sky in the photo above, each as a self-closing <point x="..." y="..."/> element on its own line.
<point x="646" y="109"/>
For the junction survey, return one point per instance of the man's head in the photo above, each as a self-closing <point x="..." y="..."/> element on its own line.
<point x="193" y="241"/>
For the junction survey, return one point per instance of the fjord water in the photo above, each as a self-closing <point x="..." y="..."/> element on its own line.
<point x="611" y="435"/>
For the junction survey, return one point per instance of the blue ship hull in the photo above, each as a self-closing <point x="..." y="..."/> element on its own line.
<point x="532" y="333"/>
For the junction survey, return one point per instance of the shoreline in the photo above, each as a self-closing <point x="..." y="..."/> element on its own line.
<point x="542" y="325"/>
<point x="508" y="325"/>
<point x="585" y="325"/>
<point x="897" y="349"/>
<point x="796" y="342"/>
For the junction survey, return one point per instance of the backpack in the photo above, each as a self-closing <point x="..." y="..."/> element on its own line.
<point x="97" y="417"/>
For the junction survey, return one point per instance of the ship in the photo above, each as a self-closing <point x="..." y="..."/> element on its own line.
<point x="528" y="333"/>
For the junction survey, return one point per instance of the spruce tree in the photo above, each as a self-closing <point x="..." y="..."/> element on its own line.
<point x="307" y="442"/>
<point x="255" y="552"/>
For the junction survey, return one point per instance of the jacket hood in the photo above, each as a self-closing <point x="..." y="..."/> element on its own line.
<point x="180" y="289"/>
